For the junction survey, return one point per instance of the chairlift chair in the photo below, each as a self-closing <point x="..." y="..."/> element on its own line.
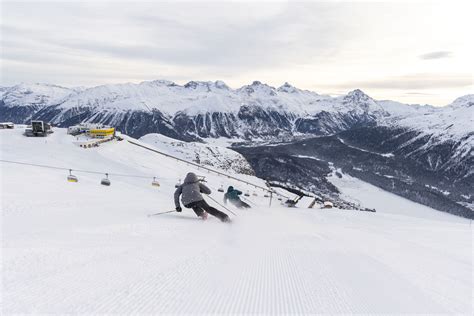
<point x="155" y="183"/>
<point x="254" y="194"/>
<point x="105" y="181"/>
<point x="221" y="189"/>
<point x="71" y="177"/>
<point x="247" y="193"/>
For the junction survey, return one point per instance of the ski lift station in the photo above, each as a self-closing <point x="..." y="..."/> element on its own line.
<point x="92" y="130"/>
<point x="91" y="135"/>
<point x="38" y="129"/>
<point x="105" y="132"/>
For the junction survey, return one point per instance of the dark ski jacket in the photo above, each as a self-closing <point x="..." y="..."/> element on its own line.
<point x="190" y="190"/>
<point x="232" y="195"/>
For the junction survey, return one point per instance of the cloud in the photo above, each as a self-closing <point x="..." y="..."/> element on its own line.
<point x="413" y="82"/>
<point x="436" y="55"/>
<point x="306" y="43"/>
<point x="190" y="35"/>
<point x="419" y="93"/>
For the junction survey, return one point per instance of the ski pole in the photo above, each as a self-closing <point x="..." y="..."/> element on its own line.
<point x="221" y="205"/>
<point x="161" y="213"/>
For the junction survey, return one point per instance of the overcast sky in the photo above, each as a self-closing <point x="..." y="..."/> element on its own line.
<point x="410" y="52"/>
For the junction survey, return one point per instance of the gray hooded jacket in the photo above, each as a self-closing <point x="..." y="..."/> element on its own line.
<point x="190" y="190"/>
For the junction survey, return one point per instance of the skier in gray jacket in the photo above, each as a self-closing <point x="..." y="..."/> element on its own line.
<point x="191" y="197"/>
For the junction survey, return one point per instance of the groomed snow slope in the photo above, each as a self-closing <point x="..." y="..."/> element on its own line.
<point x="85" y="248"/>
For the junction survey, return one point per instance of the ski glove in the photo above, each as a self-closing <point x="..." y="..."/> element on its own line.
<point x="179" y="209"/>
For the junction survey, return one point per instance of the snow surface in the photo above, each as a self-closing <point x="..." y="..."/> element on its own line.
<point x="86" y="248"/>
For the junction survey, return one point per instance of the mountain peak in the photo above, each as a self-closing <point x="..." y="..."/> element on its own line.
<point x="161" y="82"/>
<point x="286" y="87"/>
<point x="357" y="93"/>
<point x="358" y="98"/>
<point x="464" y="101"/>
<point x="208" y="85"/>
<point x="221" y="85"/>
<point x="258" y="88"/>
<point x="195" y="84"/>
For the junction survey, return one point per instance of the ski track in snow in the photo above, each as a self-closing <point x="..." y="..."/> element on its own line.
<point x="84" y="248"/>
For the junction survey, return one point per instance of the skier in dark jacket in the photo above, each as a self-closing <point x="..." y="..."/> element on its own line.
<point x="233" y="196"/>
<point x="191" y="197"/>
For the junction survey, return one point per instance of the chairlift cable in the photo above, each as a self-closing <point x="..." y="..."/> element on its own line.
<point x="80" y="170"/>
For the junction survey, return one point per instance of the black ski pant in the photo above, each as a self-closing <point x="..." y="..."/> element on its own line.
<point x="200" y="206"/>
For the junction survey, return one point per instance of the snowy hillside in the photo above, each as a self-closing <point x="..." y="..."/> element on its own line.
<point x="86" y="248"/>
<point x="454" y="122"/>
<point x="209" y="155"/>
<point x="39" y="95"/>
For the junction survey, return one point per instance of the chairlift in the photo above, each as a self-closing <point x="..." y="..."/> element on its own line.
<point x="254" y="193"/>
<point x="247" y="193"/>
<point x="71" y="177"/>
<point x="266" y="195"/>
<point x="105" y="181"/>
<point x="221" y="189"/>
<point x="155" y="183"/>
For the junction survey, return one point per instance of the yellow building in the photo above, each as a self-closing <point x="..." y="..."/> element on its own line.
<point x="102" y="132"/>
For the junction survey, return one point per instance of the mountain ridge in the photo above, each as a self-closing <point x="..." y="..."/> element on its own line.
<point x="200" y="110"/>
<point x="218" y="84"/>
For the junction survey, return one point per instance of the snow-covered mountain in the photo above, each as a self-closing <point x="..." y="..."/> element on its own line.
<point x="443" y="138"/>
<point x="195" y="110"/>
<point x="212" y="109"/>
<point x="200" y="110"/>
<point x="20" y="102"/>
<point x="35" y="95"/>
